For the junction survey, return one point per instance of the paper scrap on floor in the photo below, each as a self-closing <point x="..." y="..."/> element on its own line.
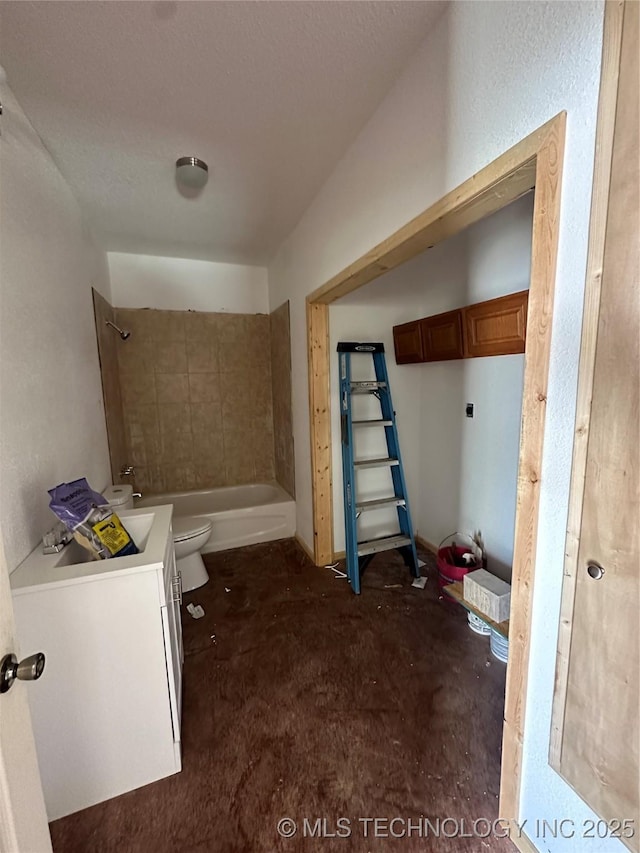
<point x="334" y="568"/>
<point x="195" y="610"/>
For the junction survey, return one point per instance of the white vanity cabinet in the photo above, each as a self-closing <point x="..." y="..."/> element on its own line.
<point x="106" y="711"/>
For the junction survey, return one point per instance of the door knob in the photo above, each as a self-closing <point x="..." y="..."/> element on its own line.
<point x="595" y="571"/>
<point x="29" y="669"/>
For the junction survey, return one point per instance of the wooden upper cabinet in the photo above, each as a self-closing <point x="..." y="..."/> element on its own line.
<point x="407" y="342"/>
<point x="496" y="327"/>
<point x="442" y="336"/>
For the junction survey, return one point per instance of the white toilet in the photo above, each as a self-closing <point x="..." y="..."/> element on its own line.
<point x="190" y="534"/>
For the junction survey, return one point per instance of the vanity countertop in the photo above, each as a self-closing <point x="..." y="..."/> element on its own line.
<point x="149" y="527"/>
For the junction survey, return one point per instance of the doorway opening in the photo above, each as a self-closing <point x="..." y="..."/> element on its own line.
<point x="460" y="466"/>
<point x="533" y="163"/>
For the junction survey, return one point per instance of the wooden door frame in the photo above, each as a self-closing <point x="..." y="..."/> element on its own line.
<point x="533" y="163"/>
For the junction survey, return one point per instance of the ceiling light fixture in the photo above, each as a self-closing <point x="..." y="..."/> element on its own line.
<point x="192" y="172"/>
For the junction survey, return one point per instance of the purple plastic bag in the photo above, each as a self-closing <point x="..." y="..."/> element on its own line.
<point x="89" y="515"/>
<point x="74" y="502"/>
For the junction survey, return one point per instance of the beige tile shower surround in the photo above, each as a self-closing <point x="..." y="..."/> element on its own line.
<point x="281" y="395"/>
<point x="188" y="397"/>
<point x="196" y="395"/>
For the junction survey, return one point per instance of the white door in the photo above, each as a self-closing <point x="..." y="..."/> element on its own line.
<point x="23" y="819"/>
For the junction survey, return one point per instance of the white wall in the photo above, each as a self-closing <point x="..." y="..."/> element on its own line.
<point x="470" y="465"/>
<point x="147" y="281"/>
<point x="461" y="473"/>
<point x="382" y="181"/>
<point x="489" y="74"/>
<point x="52" y="425"/>
<point x="431" y="441"/>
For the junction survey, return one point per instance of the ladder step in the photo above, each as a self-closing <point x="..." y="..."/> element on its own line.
<point x="367" y="387"/>
<point x="395" y="501"/>
<point x="386" y="543"/>
<point x="376" y="422"/>
<point x="383" y="462"/>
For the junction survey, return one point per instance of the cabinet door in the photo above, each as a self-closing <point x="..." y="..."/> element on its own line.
<point x="442" y="336"/>
<point x="172" y="629"/>
<point x="496" y="327"/>
<point x="407" y="342"/>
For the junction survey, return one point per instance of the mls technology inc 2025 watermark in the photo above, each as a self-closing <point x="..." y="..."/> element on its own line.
<point x="449" y="827"/>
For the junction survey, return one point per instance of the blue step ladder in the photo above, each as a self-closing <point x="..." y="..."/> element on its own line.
<point x="360" y="553"/>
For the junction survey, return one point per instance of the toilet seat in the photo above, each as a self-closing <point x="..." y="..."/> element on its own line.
<point x="187" y="527"/>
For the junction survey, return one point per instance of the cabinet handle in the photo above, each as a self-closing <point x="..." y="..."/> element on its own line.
<point x="177" y="587"/>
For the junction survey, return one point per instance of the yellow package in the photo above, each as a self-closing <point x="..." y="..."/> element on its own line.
<point x="114" y="537"/>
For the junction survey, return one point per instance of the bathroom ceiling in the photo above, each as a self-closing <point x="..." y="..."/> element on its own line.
<point x="269" y="93"/>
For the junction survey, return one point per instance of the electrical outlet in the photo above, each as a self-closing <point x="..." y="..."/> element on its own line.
<point x="469" y="410"/>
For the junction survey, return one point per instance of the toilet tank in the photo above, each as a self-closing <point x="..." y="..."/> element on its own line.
<point x="119" y="497"/>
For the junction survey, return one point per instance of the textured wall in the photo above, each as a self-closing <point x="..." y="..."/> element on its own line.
<point x="461" y="473"/>
<point x="144" y="281"/>
<point x="196" y="396"/>
<point x="469" y="466"/>
<point x="51" y="417"/>
<point x="111" y="392"/>
<point x="281" y="393"/>
<point x="488" y="74"/>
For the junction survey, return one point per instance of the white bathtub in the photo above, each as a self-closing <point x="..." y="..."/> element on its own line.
<point x="240" y="515"/>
